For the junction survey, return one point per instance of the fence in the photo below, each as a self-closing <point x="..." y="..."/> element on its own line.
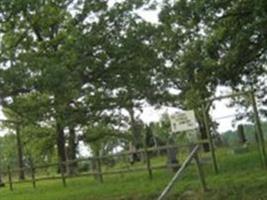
<point x="98" y="168"/>
<point x="251" y="100"/>
<point x="193" y="154"/>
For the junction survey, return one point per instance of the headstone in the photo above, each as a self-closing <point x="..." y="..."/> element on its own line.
<point x="172" y="161"/>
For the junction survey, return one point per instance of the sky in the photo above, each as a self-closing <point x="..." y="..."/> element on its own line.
<point x="222" y="113"/>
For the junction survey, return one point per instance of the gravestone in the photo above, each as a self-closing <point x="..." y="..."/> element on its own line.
<point x="172" y="161"/>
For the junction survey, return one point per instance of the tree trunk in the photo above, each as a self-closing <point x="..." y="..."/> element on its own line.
<point x="61" y="145"/>
<point x="96" y="166"/>
<point x="1" y="179"/>
<point x="137" y="140"/>
<point x="204" y="136"/>
<point x="241" y="134"/>
<point x="72" y="150"/>
<point x="202" y="130"/>
<point x="20" y="154"/>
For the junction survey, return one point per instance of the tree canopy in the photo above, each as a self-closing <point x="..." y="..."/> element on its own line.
<point x="84" y="70"/>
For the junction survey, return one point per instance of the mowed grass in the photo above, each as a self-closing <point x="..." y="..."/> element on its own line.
<point x="240" y="177"/>
<point x="136" y="186"/>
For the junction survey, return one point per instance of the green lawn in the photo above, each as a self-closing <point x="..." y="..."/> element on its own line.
<point x="241" y="177"/>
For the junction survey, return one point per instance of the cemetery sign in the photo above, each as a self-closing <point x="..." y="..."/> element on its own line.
<point x="183" y="121"/>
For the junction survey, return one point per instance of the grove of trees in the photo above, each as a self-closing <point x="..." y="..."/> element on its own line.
<point x="76" y="71"/>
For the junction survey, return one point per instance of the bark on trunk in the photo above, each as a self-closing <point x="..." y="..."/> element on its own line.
<point x="241" y="134"/>
<point x="1" y="180"/>
<point x="72" y="150"/>
<point x="204" y="136"/>
<point x="202" y="130"/>
<point x="96" y="166"/>
<point x="61" y="145"/>
<point x="137" y="140"/>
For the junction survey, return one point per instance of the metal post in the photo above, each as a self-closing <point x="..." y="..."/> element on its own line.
<point x="212" y="149"/>
<point x="259" y="131"/>
<point x="178" y="174"/>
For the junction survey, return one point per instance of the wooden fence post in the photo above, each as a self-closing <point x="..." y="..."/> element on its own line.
<point x="212" y="150"/>
<point x="10" y="178"/>
<point x="200" y="172"/>
<point x="259" y="131"/>
<point x="20" y="153"/>
<point x="62" y="171"/>
<point x="33" y="175"/>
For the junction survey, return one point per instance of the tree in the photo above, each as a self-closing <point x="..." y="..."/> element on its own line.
<point x="235" y="41"/>
<point x="14" y="123"/>
<point x="133" y="68"/>
<point x="8" y="155"/>
<point x="189" y="68"/>
<point x="40" y="49"/>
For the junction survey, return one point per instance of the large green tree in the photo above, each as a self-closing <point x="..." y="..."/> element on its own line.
<point x="189" y="68"/>
<point x="132" y="75"/>
<point x="41" y="57"/>
<point x="63" y="61"/>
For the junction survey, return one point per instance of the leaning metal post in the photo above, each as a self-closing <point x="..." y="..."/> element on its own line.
<point x="178" y="174"/>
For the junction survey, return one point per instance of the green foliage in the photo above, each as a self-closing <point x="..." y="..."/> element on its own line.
<point x="65" y="60"/>
<point x="162" y="129"/>
<point x="38" y="143"/>
<point x="69" y="62"/>
<point x="86" y="66"/>
<point x="8" y="155"/>
<point x="103" y="139"/>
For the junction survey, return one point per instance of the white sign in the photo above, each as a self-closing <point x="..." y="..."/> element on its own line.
<point x="184" y="121"/>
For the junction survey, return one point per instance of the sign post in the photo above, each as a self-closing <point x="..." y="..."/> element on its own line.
<point x="186" y="121"/>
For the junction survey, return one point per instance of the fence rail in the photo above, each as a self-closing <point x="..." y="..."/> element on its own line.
<point x="192" y="155"/>
<point x="97" y="172"/>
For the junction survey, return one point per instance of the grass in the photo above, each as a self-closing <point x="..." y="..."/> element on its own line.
<point x="241" y="177"/>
